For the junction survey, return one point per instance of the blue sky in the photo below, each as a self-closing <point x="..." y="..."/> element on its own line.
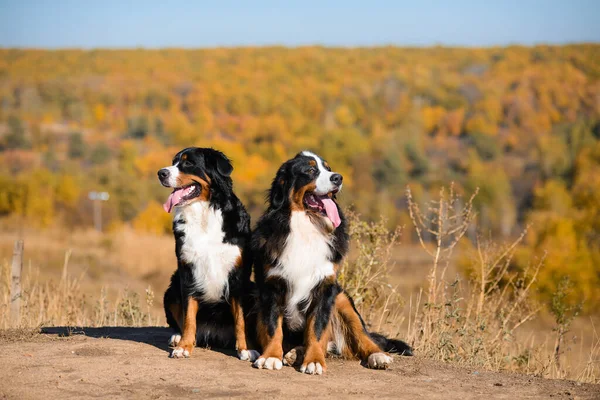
<point x="92" y="24"/>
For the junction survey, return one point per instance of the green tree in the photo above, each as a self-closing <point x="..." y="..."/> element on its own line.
<point x="16" y="137"/>
<point x="77" y="146"/>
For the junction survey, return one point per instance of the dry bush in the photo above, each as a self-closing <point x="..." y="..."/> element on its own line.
<point x="64" y="303"/>
<point x="364" y="275"/>
<point x="473" y="322"/>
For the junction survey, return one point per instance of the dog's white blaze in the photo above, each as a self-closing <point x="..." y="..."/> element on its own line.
<point x="203" y="247"/>
<point x="324" y="184"/>
<point x="173" y="174"/>
<point x="303" y="263"/>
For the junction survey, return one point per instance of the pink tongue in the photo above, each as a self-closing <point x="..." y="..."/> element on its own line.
<point x="332" y="211"/>
<point x="173" y="200"/>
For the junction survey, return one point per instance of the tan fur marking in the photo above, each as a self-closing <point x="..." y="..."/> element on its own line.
<point x="188" y="338"/>
<point x="312" y="163"/>
<point x="297" y="196"/>
<point x="361" y="343"/>
<point x="239" y="262"/>
<point x="177" y="314"/>
<point x="315" y="349"/>
<point x="272" y="345"/>
<point x="187" y="179"/>
<point x="240" y="325"/>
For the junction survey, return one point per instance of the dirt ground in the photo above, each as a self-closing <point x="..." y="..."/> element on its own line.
<point x="132" y="363"/>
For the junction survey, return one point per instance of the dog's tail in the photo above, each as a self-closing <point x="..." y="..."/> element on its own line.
<point x="346" y="336"/>
<point x="391" y="345"/>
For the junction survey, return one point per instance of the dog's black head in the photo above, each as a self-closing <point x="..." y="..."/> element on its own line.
<point x="306" y="183"/>
<point x="196" y="174"/>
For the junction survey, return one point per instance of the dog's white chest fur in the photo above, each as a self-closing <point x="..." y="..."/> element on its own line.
<point x="203" y="248"/>
<point x="303" y="263"/>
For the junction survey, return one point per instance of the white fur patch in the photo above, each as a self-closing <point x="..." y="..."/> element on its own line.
<point x="324" y="184"/>
<point x="303" y="264"/>
<point x="379" y="361"/>
<point x="268" y="363"/>
<point x="203" y="247"/>
<point x="179" y="352"/>
<point x="248" y="355"/>
<point x="174" y="340"/>
<point x="173" y="174"/>
<point x="337" y="342"/>
<point x="312" y="369"/>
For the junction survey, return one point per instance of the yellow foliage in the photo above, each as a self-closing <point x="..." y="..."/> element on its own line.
<point x="67" y="190"/>
<point x="99" y="112"/>
<point x="567" y="254"/>
<point x="153" y="219"/>
<point x="480" y="124"/>
<point x="344" y="116"/>
<point x="432" y="117"/>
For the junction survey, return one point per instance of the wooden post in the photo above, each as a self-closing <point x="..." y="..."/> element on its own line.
<point x="15" y="287"/>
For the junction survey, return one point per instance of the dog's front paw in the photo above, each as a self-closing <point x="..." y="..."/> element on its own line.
<point x="379" y="361"/>
<point x="248" y="355"/>
<point x="174" y="340"/>
<point x="313" y="368"/>
<point x="180" y="352"/>
<point x="272" y="363"/>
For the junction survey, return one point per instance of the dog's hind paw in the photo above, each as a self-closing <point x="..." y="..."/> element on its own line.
<point x="379" y="361"/>
<point x="174" y="340"/>
<point x="294" y="357"/>
<point x="248" y="355"/>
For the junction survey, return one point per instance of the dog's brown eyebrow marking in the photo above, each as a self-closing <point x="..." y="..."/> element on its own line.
<point x="325" y="164"/>
<point x="312" y="163"/>
<point x="184" y="157"/>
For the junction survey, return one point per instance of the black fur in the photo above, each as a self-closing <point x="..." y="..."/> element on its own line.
<point x="272" y="302"/>
<point x="323" y="300"/>
<point x="215" y="324"/>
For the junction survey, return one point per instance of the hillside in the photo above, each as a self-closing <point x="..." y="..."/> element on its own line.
<point x="133" y="363"/>
<point x="522" y="124"/>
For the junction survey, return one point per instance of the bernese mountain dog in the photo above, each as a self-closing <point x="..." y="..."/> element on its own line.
<point x="298" y="245"/>
<point x="210" y="293"/>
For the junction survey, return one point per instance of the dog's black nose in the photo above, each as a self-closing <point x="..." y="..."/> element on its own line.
<point x="336" y="179"/>
<point x="163" y="173"/>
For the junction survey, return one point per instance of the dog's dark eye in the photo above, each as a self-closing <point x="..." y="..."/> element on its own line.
<point x="312" y="170"/>
<point x="186" y="164"/>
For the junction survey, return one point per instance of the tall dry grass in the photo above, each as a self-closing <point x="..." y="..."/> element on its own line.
<point x="63" y="302"/>
<point x="476" y="322"/>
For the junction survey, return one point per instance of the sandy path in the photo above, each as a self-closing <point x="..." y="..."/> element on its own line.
<point x="133" y="363"/>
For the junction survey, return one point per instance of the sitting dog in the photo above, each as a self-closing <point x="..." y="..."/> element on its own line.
<point x="210" y="292"/>
<point x="298" y="245"/>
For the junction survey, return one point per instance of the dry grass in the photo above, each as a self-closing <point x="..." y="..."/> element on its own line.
<point x="477" y="322"/>
<point x="63" y="302"/>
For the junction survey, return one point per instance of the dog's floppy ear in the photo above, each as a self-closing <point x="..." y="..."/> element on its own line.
<point x="224" y="166"/>
<point x="278" y="192"/>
